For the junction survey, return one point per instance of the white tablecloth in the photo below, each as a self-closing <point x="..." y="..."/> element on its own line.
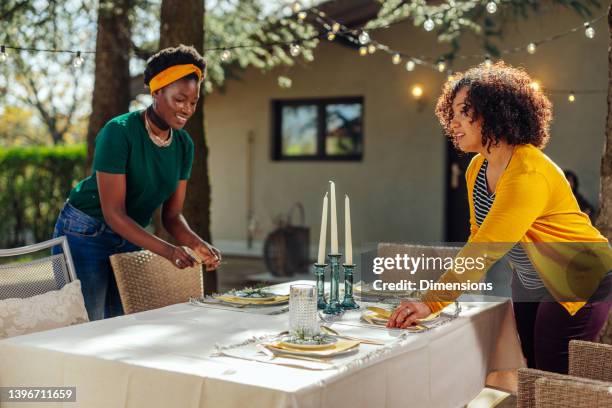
<point x="162" y="358"/>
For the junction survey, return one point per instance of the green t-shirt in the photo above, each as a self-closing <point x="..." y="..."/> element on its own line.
<point x="152" y="173"/>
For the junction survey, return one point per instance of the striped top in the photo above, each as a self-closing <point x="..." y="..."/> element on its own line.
<point x="516" y="256"/>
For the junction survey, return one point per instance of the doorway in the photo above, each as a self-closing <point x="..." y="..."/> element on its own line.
<point x="456" y="212"/>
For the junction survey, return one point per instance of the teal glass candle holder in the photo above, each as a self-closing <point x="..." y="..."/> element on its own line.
<point x="348" y="302"/>
<point x="333" y="307"/>
<point x="319" y="270"/>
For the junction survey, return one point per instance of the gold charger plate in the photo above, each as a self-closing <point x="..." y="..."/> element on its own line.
<point x="341" y="347"/>
<point x="276" y="300"/>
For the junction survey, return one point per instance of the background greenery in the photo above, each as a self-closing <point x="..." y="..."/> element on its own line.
<point x="35" y="182"/>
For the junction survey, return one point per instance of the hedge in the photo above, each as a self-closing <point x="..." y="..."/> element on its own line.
<point x="34" y="184"/>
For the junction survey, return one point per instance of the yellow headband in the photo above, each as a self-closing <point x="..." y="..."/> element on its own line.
<point x="171" y="74"/>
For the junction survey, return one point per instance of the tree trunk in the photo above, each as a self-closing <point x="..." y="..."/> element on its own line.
<point x="111" y="95"/>
<point x="604" y="220"/>
<point x="182" y="22"/>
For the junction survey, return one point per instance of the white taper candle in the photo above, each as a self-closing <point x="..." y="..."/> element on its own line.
<point x="334" y="220"/>
<point x="348" y="240"/>
<point x="323" y="234"/>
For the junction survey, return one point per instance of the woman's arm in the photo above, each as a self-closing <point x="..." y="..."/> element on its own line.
<point x="112" y="199"/>
<point x="176" y="225"/>
<point x="518" y="203"/>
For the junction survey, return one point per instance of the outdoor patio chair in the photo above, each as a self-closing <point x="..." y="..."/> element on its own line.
<point x="40" y="294"/>
<point x="148" y="281"/>
<point x="23" y="279"/>
<point x="588" y="383"/>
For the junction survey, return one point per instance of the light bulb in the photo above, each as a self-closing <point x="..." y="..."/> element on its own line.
<point x="284" y="82"/>
<point x="429" y="24"/>
<point x="331" y="36"/>
<point x="3" y="56"/>
<point x="302" y="15"/>
<point x="535" y="85"/>
<point x="417" y="91"/>
<point x="371" y="48"/>
<point x="364" y="38"/>
<point x="363" y="51"/>
<point x="531" y="48"/>
<point x="225" y="55"/>
<point x="589" y="31"/>
<point x="336" y="27"/>
<point x="296" y="7"/>
<point x="441" y="66"/>
<point x="488" y="62"/>
<point x="491" y="7"/>
<point x="410" y="65"/>
<point x="396" y="59"/>
<point x="294" y="50"/>
<point x="571" y="98"/>
<point x="449" y="76"/>
<point x="78" y="60"/>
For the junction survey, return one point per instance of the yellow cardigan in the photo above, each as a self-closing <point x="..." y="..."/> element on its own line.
<point x="534" y="205"/>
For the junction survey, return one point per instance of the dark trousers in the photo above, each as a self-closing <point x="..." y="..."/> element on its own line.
<point x="545" y="327"/>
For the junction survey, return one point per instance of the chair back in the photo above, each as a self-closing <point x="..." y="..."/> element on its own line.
<point x="23" y="279"/>
<point x="148" y="281"/>
<point x="432" y="270"/>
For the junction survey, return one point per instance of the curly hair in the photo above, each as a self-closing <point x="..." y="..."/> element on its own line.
<point x="511" y="108"/>
<point x="173" y="56"/>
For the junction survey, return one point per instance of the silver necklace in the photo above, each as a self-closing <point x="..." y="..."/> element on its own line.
<point x="158" y="141"/>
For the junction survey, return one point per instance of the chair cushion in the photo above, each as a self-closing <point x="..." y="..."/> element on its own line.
<point x="57" y="308"/>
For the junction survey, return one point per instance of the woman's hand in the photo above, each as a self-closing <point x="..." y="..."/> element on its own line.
<point x="181" y="258"/>
<point x="407" y="313"/>
<point x="210" y="256"/>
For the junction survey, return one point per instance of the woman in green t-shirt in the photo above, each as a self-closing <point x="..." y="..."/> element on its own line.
<point x="142" y="160"/>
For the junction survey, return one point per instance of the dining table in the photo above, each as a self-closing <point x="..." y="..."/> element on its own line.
<point x="198" y="354"/>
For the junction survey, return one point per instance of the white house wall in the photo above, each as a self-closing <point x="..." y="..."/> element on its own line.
<point x="398" y="190"/>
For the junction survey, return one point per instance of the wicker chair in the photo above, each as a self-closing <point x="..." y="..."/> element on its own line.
<point x="589" y="383"/>
<point x="30" y="278"/>
<point x="148" y="281"/>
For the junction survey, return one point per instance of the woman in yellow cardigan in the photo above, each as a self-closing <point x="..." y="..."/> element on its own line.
<point x="522" y="207"/>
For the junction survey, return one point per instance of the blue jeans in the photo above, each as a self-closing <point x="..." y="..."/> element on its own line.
<point x="91" y="243"/>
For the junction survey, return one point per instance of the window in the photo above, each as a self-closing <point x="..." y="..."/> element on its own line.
<point x="318" y="129"/>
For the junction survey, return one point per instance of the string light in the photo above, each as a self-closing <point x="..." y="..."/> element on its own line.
<point x="535" y="85"/>
<point x="363" y="51"/>
<point x="3" y="56"/>
<point x="531" y="48"/>
<point x="571" y="97"/>
<point x="488" y="62"/>
<point x="296" y="7"/>
<point x="441" y="65"/>
<point x="225" y="55"/>
<point x="429" y="24"/>
<point x="410" y="65"/>
<point x="589" y="31"/>
<point x="302" y="15"/>
<point x="294" y="50"/>
<point x="335" y="27"/>
<point x="364" y="38"/>
<point x="78" y="60"/>
<point x="417" y="91"/>
<point x="371" y="48"/>
<point x="491" y="7"/>
<point x="396" y="59"/>
<point x="449" y="76"/>
<point x="284" y="82"/>
<point x="331" y="36"/>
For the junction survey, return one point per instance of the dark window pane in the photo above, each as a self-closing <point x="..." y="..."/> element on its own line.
<point x="344" y="133"/>
<point x="299" y="127"/>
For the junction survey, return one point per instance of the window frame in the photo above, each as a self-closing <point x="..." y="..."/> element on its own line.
<point x="321" y="104"/>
